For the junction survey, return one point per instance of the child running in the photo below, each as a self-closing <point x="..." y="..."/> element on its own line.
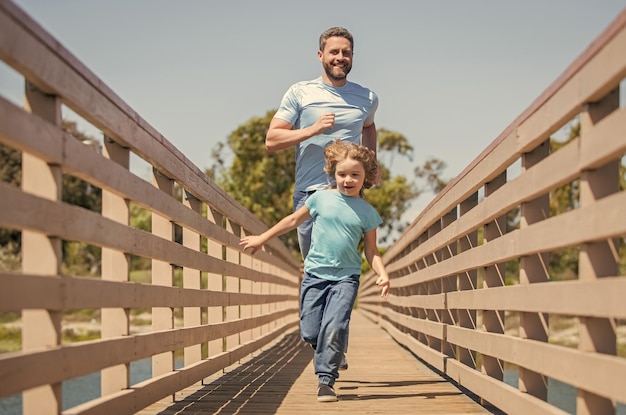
<point x="332" y="268"/>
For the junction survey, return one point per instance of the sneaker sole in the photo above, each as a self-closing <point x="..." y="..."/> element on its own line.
<point x="327" y="399"/>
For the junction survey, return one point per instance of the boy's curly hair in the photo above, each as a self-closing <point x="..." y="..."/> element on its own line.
<point x="341" y="150"/>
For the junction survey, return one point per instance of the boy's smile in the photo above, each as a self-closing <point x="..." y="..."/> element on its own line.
<point x="350" y="176"/>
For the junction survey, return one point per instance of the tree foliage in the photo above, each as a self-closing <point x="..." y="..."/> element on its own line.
<point x="263" y="183"/>
<point x="78" y="257"/>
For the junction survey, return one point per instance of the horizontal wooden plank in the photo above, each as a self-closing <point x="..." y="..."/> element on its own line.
<point x="603" y="298"/>
<point x="505" y="397"/>
<point x="61" y="363"/>
<point x="598" y="221"/>
<point x="62" y="293"/>
<point x="154" y="389"/>
<point x="598" y="373"/>
<point x="602" y="143"/>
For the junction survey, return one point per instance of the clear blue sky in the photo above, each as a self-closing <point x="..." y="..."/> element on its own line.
<point x="451" y="75"/>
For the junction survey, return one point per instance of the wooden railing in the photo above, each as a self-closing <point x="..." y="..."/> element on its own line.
<point x="474" y="294"/>
<point x="228" y="305"/>
<point x="473" y="291"/>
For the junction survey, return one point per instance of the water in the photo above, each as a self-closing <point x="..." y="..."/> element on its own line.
<point x="86" y="388"/>
<point x="81" y="389"/>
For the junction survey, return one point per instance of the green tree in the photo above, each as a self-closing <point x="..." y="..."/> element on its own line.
<point x="263" y="183"/>
<point x="10" y="239"/>
<point x="564" y="262"/>
<point x="78" y="257"/>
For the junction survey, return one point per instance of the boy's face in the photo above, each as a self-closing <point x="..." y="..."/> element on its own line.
<point x="350" y="176"/>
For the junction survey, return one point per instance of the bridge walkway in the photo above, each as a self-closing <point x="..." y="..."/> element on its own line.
<point x="382" y="378"/>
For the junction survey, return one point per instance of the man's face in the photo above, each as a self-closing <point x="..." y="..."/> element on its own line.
<point x="336" y="58"/>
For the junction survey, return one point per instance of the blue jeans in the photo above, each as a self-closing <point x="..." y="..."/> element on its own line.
<point x="305" y="229"/>
<point x="325" y="310"/>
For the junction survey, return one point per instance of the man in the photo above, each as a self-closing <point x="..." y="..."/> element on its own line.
<point x="312" y="114"/>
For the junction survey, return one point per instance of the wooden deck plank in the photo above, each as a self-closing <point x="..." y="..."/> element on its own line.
<point x="382" y="378"/>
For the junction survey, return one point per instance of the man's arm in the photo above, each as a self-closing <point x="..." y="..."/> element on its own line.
<point x="281" y="134"/>
<point x="368" y="139"/>
<point x="368" y="136"/>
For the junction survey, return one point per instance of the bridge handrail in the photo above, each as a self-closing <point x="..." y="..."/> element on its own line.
<point x="473" y="292"/>
<point x="229" y="303"/>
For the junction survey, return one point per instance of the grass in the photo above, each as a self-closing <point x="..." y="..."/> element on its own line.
<point x="10" y="339"/>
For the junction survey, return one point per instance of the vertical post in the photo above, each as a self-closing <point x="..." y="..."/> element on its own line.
<point x="433" y="288"/>
<point x="468" y="280"/>
<point x="448" y="284"/>
<point x="115" y="267"/>
<point x="192" y="316"/>
<point x="265" y="291"/>
<point x="420" y="289"/>
<point x="596" y="259"/>
<point x="245" y="311"/>
<point x="162" y="274"/>
<point x="257" y="290"/>
<point x="232" y="284"/>
<point x="41" y="255"/>
<point x="534" y="269"/>
<point x="493" y="320"/>
<point x="215" y="283"/>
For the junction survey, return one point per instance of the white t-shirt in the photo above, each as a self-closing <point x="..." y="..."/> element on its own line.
<point x="303" y="104"/>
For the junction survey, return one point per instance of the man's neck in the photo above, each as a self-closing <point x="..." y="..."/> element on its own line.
<point x="332" y="82"/>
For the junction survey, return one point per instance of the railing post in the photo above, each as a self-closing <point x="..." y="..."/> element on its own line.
<point x="245" y="285"/>
<point x="448" y="284"/>
<point x="115" y="267"/>
<point x="433" y="288"/>
<point x="597" y="259"/>
<point x="162" y="274"/>
<point x="215" y="283"/>
<point x="232" y="285"/>
<point x="41" y="254"/>
<point x="192" y="316"/>
<point x="533" y="269"/>
<point x="493" y="320"/>
<point x="467" y="281"/>
<point x="420" y="289"/>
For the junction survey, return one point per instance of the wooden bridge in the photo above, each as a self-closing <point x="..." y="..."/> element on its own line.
<point x="475" y="323"/>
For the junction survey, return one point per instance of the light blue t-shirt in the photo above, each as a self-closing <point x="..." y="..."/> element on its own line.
<point x="303" y="104"/>
<point x="339" y="223"/>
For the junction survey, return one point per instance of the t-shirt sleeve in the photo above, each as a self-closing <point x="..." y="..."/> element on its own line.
<point x="289" y="109"/>
<point x="372" y="221"/>
<point x="370" y="114"/>
<point x="311" y="204"/>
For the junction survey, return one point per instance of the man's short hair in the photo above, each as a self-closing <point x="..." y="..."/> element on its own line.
<point x="335" y="32"/>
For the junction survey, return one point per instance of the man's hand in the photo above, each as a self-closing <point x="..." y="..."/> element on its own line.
<point x="323" y="123"/>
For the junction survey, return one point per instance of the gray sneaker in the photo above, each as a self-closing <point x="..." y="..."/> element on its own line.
<point x="326" y="393"/>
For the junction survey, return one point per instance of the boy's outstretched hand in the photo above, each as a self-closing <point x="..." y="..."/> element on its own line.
<point x="253" y="242"/>
<point x="384" y="283"/>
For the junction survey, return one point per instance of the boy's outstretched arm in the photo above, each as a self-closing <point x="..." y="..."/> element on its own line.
<point x="286" y="224"/>
<point x="376" y="262"/>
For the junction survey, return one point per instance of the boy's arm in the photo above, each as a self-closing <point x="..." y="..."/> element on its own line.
<point x="286" y="224"/>
<point x="376" y="262"/>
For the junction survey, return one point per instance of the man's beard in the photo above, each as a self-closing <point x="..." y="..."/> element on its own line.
<point x="329" y="72"/>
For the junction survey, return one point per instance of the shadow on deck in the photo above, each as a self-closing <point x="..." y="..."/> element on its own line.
<point x="383" y="378"/>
